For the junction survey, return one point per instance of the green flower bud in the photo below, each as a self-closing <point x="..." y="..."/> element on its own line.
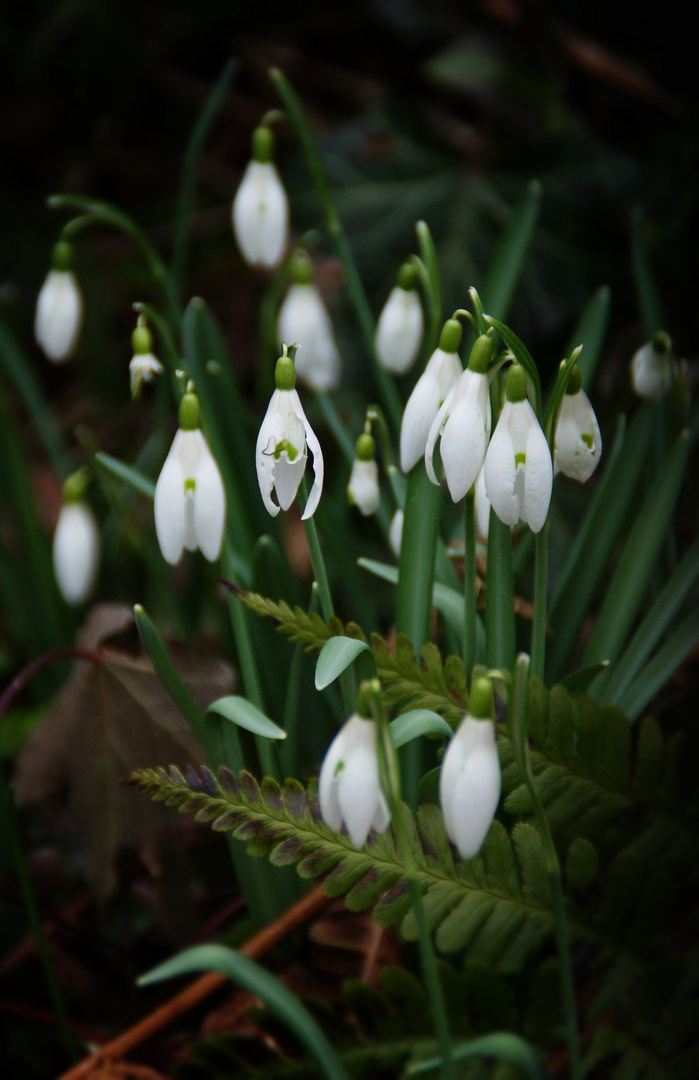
<point x="62" y="255"/>
<point x="189" y="410"/>
<point x="451" y="336"/>
<point x="366" y="447"/>
<point x="481" y="702"/>
<point x="407" y="277"/>
<point x="516" y="385"/>
<point x="481" y="354"/>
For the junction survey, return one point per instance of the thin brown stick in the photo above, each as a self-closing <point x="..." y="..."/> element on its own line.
<point x="202" y="987"/>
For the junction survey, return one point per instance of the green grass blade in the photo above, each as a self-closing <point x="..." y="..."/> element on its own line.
<point x="663" y="665"/>
<point x="253" y="978"/>
<point x="428" y="254"/>
<point x="167" y="673"/>
<point x="125" y="472"/>
<point x="590" y="332"/>
<point x="501" y="1045"/>
<point x="511" y="255"/>
<point x="631" y="580"/>
<point x="649" y="303"/>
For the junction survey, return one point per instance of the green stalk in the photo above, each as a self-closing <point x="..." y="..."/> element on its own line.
<point x="518" y="735"/>
<point x="432" y="284"/>
<point x="500" y="597"/>
<point x="390" y="783"/>
<point x="307" y="140"/>
<point x="40" y="941"/>
<point x="470" y="615"/>
<point x="541" y="562"/>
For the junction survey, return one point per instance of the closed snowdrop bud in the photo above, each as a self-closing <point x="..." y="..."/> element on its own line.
<point x="190" y="501"/>
<point x="363" y="488"/>
<point x="144" y="365"/>
<point x="431" y="389"/>
<point x="303" y="318"/>
<point x="463" y="422"/>
<point x="284" y="438"/>
<point x="349" y="789"/>
<point x="578" y="443"/>
<point x="470" y="778"/>
<point x="395" y="532"/>
<point x="401" y="325"/>
<point x="59" y="308"/>
<point x="76" y="544"/>
<point x="518" y="468"/>
<point x="260" y="207"/>
<point x="652" y="367"/>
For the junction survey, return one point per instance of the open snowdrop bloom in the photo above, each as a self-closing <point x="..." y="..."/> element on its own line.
<point x="470" y="778"/>
<point x="401" y="324"/>
<point x="463" y="422"/>
<point x="260" y="206"/>
<point x="59" y="307"/>
<point x="578" y="443"/>
<point x="431" y="389"/>
<point x="303" y="318"/>
<point x="282" y="444"/>
<point x="518" y="469"/>
<point x="652" y="367"/>
<point x="190" y="501"/>
<point x="76" y="544"/>
<point x="349" y="788"/>
<point x="144" y="365"/>
<point x="363" y="488"/>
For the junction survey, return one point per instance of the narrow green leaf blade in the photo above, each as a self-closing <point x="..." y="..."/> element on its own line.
<point x="665" y="662"/>
<point x="508" y="264"/>
<point x="125" y="472"/>
<point x="335" y="657"/>
<point x="590" y="332"/>
<point x="502" y="1045"/>
<point x="243" y="713"/>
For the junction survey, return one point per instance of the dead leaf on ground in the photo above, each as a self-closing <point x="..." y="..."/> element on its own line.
<point x="108" y="719"/>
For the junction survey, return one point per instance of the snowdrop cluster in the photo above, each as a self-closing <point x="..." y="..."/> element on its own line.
<point x="260" y="207"/>
<point x="59" y="307"/>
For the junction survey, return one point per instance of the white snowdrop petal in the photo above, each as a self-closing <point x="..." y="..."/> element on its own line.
<point x="76" y="545"/>
<point x="395" y="532"/>
<point x="359" y="785"/>
<point x="399" y="330"/>
<point x="538" y="478"/>
<point x="500" y="471"/>
<point x="261" y="215"/>
<point x="318" y="470"/>
<point x="304" y="321"/>
<point x="482" y="508"/>
<point x="466" y="433"/>
<point x="651" y="372"/>
<point x="470" y="782"/>
<point x="287" y="477"/>
<point x="169" y="505"/>
<point x="436" y="429"/>
<point x="328" y="780"/>
<point x="573" y="456"/>
<point x="59" y="315"/>
<point x="209" y="508"/>
<point x="363" y="487"/>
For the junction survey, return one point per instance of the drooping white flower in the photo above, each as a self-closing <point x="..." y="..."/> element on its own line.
<point x="395" y="532"/>
<point x="463" y="422"/>
<point x="431" y="389"/>
<point x="303" y="319"/>
<point x="260" y="207"/>
<point x="401" y="324"/>
<point x="578" y="443"/>
<point x="363" y="488"/>
<point x="349" y="788"/>
<point x="190" y="500"/>
<point x="284" y="438"/>
<point x="652" y="367"/>
<point x="144" y="364"/>
<point x="518" y="468"/>
<point x="59" y="308"/>
<point x="470" y="778"/>
<point x="482" y="507"/>
<point x="76" y="547"/>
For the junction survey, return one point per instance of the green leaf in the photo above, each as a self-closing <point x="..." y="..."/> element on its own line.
<point x="125" y="472"/>
<point x="243" y="713"/>
<point x="335" y="657"/>
<point x="648" y="296"/>
<point x="449" y="602"/>
<point x="591" y="332"/>
<point x="663" y="665"/>
<point x="411" y="725"/>
<point x="510" y="258"/>
<point x="502" y="1045"/>
<point x="578" y="681"/>
<point x="280" y="1001"/>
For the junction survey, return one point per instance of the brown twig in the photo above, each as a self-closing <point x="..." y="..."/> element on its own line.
<point x="26" y="674"/>
<point x="201" y="988"/>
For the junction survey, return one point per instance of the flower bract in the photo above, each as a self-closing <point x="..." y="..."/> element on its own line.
<point x="76" y="552"/>
<point x="469" y="784"/>
<point x="349" y="789"/>
<point x="190" y="501"/>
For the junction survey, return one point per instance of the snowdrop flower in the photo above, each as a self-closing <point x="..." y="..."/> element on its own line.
<point x="76" y="544"/>
<point x="363" y="488"/>
<point x="303" y="318"/>
<point x="652" y="367"/>
<point x="59" y="308"/>
<point x="395" y="532"/>
<point x="470" y="777"/>
<point x="442" y="371"/>
<point x="282" y="444"/>
<point x="260" y="207"/>
<point x="349" y="788"/>
<point x="578" y="443"/>
<point x="190" y="501"/>
<point x="463" y="422"/>
<point x="144" y="365"/>
<point x="401" y="325"/>
<point x="518" y="469"/>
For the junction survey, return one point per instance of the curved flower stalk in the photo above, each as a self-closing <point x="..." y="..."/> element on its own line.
<point x="363" y="488"/>
<point x="349" y="787"/>
<point x="431" y="389"/>
<point x="144" y="364"/>
<point x="59" y="307"/>
<point x="76" y="544"/>
<point x="284" y="438"/>
<point x="190" y="500"/>
<point x="260" y="208"/>
<point x="518" y="469"/>
<point x="577" y="442"/>
<point x="463" y="423"/>
<point x="401" y="325"/>
<point x="470" y="778"/>
<point x="653" y="367"/>
<point x="303" y="318"/>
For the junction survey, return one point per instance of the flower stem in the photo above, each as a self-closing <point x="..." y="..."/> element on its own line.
<point x="541" y="559"/>
<point x="500" y="597"/>
<point x="469" y="582"/>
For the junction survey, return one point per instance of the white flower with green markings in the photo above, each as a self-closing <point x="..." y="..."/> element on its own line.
<point x="349" y="788"/>
<point x="442" y="370"/>
<point x="260" y="207"/>
<point x="578" y="443"/>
